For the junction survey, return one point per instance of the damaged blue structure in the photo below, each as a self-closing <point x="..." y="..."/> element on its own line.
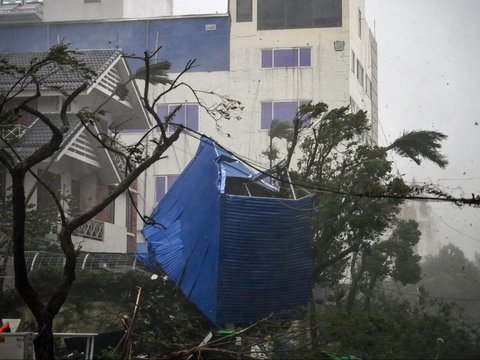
<point x="236" y="251"/>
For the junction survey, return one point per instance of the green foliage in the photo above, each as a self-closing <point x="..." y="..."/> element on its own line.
<point x="421" y="144"/>
<point x="37" y="226"/>
<point x="166" y="321"/>
<point x="398" y="331"/>
<point x="333" y="157"/>
<point x="450" y="275"/>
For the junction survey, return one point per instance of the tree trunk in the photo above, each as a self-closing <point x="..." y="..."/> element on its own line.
<point x="368" y="295"/>
<point x="356" y="276"/>
<point x="312" y="313"/>
<point x="43" y="343"/>
<point x="4" y="261"/>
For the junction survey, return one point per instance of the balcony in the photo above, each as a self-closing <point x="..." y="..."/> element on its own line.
<point x="12" y="133"/>
<point x="21" y="11"/>
<point x="92" y="229"/>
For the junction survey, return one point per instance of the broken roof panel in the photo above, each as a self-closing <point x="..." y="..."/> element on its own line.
<point x="237" y="258"/>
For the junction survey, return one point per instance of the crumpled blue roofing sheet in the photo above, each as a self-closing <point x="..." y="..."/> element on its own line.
<point x="237" y="258"/>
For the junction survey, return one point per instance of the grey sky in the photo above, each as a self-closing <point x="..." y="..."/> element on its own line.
<point x="429" y="79"/>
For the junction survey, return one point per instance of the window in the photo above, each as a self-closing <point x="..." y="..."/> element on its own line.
<point x="45" y="201"/>
<point x="279" y="110"/>
<point x="298" y="14"/>
<point x="360" y="73"/>
<point x="359" y="23"/>
<point x="187" y="115"/>
<point x="368" y="86"/>
<point x="353" y="62"/>
<point x="162" y="185"/>
<point x="244" y="10"/>
<point x="294" y="57"/>
<point x="8" y="2"/>
<point x="130" y="214"/>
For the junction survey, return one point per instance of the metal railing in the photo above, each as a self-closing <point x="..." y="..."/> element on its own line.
<point x="92" y="229"/>
<point x="12" y="133"/>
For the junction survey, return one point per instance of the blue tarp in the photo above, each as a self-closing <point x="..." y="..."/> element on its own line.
<point x="238" y="258"/>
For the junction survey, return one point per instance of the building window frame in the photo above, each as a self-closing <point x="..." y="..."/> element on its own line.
<point x="187" y="115"/>
<point x="163" y="184"/>
<point x="295" y="57"/>
<point x="244" y="11"/>
<point x="283" y="110"/>
<point x="359" y="23"/>
<point x="360" y="73"/>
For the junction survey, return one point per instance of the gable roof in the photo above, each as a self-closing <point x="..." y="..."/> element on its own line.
<point x="39" y="134"/>
<point x="59" y="77"/>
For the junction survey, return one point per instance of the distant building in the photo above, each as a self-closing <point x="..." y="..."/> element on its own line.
<point x="421" y="212"/>
<point x="272" y="55"/>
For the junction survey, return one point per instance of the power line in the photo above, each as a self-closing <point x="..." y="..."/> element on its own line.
<point x="463" y="201"/>
<point x="454" y="229"/>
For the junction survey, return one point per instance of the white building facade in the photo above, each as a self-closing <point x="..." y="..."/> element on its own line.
<point x="271" y="55"/>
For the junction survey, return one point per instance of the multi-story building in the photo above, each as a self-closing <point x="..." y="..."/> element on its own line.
<point x="271" y="55"/>
<point x="81" y="172"/>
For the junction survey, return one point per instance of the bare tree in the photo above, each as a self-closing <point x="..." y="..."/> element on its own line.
<point x="136" y="159"/>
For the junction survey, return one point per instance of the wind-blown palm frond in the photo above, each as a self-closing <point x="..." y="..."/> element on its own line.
<point x="420" y="144"/>
<point x="280" y="129"/>
<point x="158" y="73"/>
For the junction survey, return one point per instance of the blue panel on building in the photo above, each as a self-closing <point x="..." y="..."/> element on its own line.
<point x="182" y="39"/>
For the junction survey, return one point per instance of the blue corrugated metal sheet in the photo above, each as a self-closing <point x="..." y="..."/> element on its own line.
<point x="265" y="260"/>
<point x="236" y="258"/>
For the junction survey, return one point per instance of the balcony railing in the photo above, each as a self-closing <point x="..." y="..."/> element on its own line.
<point x="11" y="133"/>
<point x="92" y="229"/>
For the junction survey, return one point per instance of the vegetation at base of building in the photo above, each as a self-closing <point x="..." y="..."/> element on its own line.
<point x="27" y="84"/>
<point x="401" y="323"/>
<point x="98" y="300"/>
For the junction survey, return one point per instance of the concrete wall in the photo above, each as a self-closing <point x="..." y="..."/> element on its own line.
<point x="74" y="10"/>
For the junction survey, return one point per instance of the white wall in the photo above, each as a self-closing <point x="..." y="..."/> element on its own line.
<point x="115" y="240"/>
<point x="70" y="10"/>
<point x="133" y="9"/>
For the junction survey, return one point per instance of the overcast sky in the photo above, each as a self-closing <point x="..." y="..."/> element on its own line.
<point x="429" y="78"/>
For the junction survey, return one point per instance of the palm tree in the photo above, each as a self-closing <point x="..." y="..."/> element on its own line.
<point x="420" y="144"/>
<point x="278" y="129"/>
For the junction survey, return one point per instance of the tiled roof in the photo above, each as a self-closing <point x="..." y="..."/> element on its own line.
<point x="39" y="134"/>
<point x="60" y="77"/>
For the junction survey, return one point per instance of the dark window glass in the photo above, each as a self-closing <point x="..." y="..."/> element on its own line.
<point x="305" y="57"/>
<point x="130" y="213"/>
<point x="327" y="13"/>
<point x="270" y="14"/>
<point x="244" y="10"/>
<point x="186" y="115"/>
<point x="45" y="201"/>
<point x="163" y="185"/>
<point x="293" y="57"/>
<point x="297" y="14"/>
<point x="285" y="57"/>
<point x="280" y="110"/>
<point x="267" y="59"/>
